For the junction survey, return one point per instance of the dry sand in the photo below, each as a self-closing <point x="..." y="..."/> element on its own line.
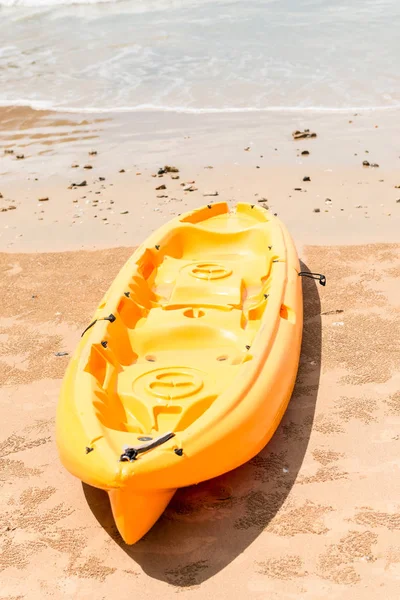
<point x="317" y="513"/>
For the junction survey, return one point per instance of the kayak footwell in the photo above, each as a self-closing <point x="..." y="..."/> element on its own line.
<point x="136" y="513"/>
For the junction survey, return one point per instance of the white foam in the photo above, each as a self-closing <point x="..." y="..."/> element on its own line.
<point x="138" y="6"/>
<point x="47" y="105"/>
<point x="50" y="3"/>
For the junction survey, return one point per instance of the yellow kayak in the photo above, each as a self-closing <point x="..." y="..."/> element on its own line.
<point x="189" y="364"/>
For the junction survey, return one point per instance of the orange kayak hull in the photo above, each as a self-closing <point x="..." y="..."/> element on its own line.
<point x="190" y="362"/>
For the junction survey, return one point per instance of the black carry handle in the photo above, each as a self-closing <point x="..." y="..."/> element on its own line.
<point x="110" y="318"/>
<point x="321" y="278"/>
<point x="130" y="454"/>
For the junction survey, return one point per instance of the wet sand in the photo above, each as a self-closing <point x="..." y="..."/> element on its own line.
<point x="341" y="201"/>
<point x="316" y="514"/>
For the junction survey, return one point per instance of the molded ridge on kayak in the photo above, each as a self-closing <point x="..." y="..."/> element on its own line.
<point x="189" y="364"/>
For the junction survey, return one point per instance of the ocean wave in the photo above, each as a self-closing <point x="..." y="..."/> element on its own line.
<point x="42" y="105"/>
<point x="51" y="3"/>
<point x="136" y="6"/>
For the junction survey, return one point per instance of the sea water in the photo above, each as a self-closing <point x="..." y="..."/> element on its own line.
<point x="200" y="55"/>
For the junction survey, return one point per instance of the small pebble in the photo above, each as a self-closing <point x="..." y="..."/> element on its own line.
<point x="161" y="187"/>
<point x="306" y="178"/>
<point x="124" y="212"/>
<point x="316" y="210"/>
<point x="43" y="199"/>
<point x="20" y="156"/>
<point x="305" y="153"/>
<point x="88" y="167"/>
<point x="303" y="134"/>
<point x="122" y="171"/>
<point x="81" y="184"/>
<point x="92" y="152"/>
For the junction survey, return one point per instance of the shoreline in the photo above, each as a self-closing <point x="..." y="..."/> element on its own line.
<point x="43" y="106"/>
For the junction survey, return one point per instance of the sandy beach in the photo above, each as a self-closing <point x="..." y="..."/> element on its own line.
<point x="316" y="514"/>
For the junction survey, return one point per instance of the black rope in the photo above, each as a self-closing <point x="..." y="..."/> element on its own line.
<point x="318" y="276"/>
<point x="88" y="327"/>
<point x="110" y="318"/>
<point x="130" y="454"/>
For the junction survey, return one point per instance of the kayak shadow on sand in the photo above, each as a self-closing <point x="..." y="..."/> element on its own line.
<point x="205" y="527"/>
